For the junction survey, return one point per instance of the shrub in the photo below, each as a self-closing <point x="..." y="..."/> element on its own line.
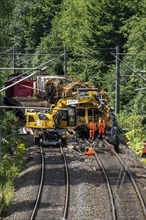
<point x="6" y="196"/>
<point x="9" y="171"/>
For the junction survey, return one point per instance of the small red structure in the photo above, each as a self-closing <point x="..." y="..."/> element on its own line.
<point x="22" y="89"/>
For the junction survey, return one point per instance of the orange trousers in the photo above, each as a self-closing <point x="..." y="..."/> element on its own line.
<point x="92" y="133"/>
<point x="101" y="130"/>
<point x="92" y="127"/>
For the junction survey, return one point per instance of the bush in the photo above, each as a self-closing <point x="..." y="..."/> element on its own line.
<point x="6" y="196"/>
<point x="136" y="133"/>
<point x="9" y="171"/>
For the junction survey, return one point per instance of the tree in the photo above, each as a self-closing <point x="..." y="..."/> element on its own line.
<point x="134" y="48"/>
<point x="6" y="8"/>
<point x="32" y="21"/>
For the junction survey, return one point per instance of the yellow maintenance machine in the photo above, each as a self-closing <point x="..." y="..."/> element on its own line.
<point x="73" y="111"/>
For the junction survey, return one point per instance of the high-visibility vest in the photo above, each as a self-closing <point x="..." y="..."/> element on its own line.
<point x="101" y="124"/>
<point x="92" y="125"/>
<point x="36" y="135"/>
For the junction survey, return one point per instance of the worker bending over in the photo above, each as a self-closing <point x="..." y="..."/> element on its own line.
<point x="89" y="151"/>
<point x="144" y="150"/>
<point x="101" y="127"/>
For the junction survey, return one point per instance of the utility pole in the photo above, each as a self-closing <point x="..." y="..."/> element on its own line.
<point x="65" y="62"/>
<point x="14" y="59"/>
<point x="117" y="94"/>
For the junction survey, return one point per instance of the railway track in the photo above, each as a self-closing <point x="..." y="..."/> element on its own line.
<point x="111" y="196"/>
<point x="45" y="194"/>
<point x="86" y="193"/>
<point x="126" y="199"/>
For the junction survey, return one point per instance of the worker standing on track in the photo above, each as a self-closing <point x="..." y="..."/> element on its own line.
<point x="36" y="137"/>
<point x="93" y="128"/>
<point x="101" y="127"/>
<point x="144" y="150"/>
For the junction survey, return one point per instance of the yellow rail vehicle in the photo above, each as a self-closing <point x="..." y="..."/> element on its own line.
<point x="70" y="112"/>
<point x="39" y="120"/>
<point x="65" y="119"/>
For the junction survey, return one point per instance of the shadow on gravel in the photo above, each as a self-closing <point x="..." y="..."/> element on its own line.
<point x="23" y="207"/>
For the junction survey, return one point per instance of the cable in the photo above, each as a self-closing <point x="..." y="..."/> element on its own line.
<point x="131" y="54"/>
<point x="136" y="72"/>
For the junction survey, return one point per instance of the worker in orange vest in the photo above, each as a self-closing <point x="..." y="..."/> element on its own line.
<point x="92" y="127"/>
<point x="89" y="151"/>
<point x="101" y="127"/>
<point x="144" y="150"/>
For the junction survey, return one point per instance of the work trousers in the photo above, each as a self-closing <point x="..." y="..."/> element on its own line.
<point x="92" y="133"/>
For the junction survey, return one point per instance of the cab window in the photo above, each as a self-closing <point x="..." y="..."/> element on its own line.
<point x="81" y="112"/>
<point x="31" y="118"/>
<point x="64" y="115"/>
<point x="43" y="117"/>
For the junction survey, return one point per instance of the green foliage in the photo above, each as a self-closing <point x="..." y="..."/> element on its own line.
<point x="135" y="47"/>
<point x="6" y="196"/>
<point x="6" y="8"/>
<point x="136" y="133"/>
<point x="134" y="130"/>
<point x="32" y="21"/>
<point x="66" y="24"/>
<point x="9" y="122"/>
<point x="10" y="165"/>
<point x="9" y="171"/>
<point x="143" y="161"/>
<point x="9" y="130"/>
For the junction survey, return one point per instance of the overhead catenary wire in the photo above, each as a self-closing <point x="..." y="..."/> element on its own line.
<point x="140" y="112"/>
<point x="133" y="54"/>
<point x="136" y="72"/>
<point x="28" y="75"/>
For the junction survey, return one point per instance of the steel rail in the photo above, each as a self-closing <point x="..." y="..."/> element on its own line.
<point x="131" y="177"/>
<point x="66" y="204"/>
<point x="34" y="212"/>
<point x="114" y="215"/>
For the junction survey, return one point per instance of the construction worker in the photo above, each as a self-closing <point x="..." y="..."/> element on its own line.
<point x="101" y="127"/>
<point x="93" y="128"/>
<point x="89" y="151"/>
<point x="144" y="150"/>
<point x="64" y="138"/>
<point x="36" y="137"/>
